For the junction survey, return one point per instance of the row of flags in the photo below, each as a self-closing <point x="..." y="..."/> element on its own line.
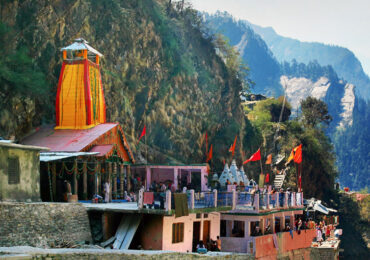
<point x="296" y="153"/>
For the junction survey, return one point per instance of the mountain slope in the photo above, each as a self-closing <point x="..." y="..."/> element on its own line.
<point x="300" y="81"/>
<point x="264" y="69"/>
<point x="148" y="78"/>
<point x="341" y="59"/>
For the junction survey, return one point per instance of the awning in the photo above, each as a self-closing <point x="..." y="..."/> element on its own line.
<point x="55" y="156"/>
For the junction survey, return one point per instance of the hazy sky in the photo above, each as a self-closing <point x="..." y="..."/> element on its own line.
<point x="340" y="22"/>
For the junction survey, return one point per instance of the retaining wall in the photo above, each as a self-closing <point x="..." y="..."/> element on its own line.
<point x="43" y="224"/>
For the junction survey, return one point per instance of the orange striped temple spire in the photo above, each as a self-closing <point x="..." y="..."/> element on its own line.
<point x="80" y="100"/>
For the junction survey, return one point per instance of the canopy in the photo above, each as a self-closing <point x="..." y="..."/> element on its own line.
<point x="55" y="156"/>
<point x="81" y="44"/>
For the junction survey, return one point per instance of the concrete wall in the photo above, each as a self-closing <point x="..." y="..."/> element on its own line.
<point x="151" y="232"/>
<point x="28" y="188"/>
<point x="187" y="244"/>
<point x="43" y="224"/>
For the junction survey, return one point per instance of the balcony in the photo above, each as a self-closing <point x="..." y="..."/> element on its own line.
<point x="234" y="201"/>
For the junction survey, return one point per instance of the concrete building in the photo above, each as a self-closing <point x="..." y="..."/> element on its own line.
<point x="19" y="172"/>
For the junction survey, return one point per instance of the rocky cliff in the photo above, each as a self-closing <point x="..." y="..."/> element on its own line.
<point x="158" y="70"/>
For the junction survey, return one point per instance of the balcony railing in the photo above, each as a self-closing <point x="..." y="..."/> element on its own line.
<point x="239" y="201"/>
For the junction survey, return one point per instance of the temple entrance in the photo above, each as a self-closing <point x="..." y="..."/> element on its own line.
<point x="196" y="234"/>
<point x="196" y="182"/>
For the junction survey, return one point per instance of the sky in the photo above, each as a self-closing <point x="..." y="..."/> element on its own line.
<point x="344" y="23"/>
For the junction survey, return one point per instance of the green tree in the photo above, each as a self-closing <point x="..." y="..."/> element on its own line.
<point x="314" y="112"/>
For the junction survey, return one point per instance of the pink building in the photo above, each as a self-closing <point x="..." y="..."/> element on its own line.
<point x="195" y="176"/>
<point x="259" y="224"/>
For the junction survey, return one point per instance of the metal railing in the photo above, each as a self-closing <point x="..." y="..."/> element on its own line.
<point x="224" y="199"/>
<point x="204" y="200"/>
<point x="244" y="198"/>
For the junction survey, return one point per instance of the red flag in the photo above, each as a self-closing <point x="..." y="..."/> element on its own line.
<point x="209" y="157"/>
<point x="255" y="157"/>
<point x="267" y="178"/>
<point x="298" y="154"/>
<point x="232" y="148"/>
<point x="142" y="133"/>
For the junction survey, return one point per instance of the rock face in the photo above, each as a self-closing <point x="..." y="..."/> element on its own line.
<point x="148" y="78"/>
<point x="298" y="89"/>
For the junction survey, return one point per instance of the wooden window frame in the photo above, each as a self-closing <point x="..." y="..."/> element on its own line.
<point x="178" y="232"/>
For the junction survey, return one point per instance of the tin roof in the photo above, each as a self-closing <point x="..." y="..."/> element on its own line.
<point x="67" y="140"/>
<point x="55" y="156"/>
<point x="103" y="150"/>
<point x="81" y="44"/>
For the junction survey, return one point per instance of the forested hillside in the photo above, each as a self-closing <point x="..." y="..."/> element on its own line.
<point x="148" y="77"/>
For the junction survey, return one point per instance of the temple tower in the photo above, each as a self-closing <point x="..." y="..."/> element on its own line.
<point x="80" y="100"/>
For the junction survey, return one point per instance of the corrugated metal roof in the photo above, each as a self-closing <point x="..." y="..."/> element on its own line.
<point x="81" y="44"/>
<point x="55" y="156"/>
<point x="67" y="140"/>
<point x="102" y="150"/>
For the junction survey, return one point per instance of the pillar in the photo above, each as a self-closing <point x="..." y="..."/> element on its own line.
<point x="141" y="198"/>
<point x="75" y="182"/>
<point x="128" y="177"/>
<point x="110" y="174"/>
<point x="115" y="175"/>
<point x="256" y="202"/>
<point x="84" y="179"/>
<point x="294" y="204"/>
<point x="272" y="224"/>
<point x="268" y="200"/>
<point x="98" y="178"/>
<point x="148" y="177"/>
<point x="175" y="180"/>
<point x="122" y="181"/>
<point x="285" y="199"/>
<point x="215" y="198"/>
<point x="64" y="55"/>
<point x="85" y="54"/>
<point x="167" y="205"/>
<point x="192" y="202"/>
<point x="54" y="180"/>
<point x="277" y="199"/>
<point x="234" y="199"/>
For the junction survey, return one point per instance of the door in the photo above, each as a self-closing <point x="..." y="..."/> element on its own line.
<point x="196" y="234"/>
<point x="206" y="230"/>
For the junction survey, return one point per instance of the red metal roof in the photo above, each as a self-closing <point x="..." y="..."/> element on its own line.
<point x="82" y="140"/>
<point x="67" y="140"/>
<point x="103" y="150"/>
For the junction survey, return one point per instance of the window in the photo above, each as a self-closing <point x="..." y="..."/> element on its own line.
<point x="177" y="232"/>
<point x="238" y="229"/>
<point x="205" y="215"/>
<point x="255" y="228"/>
<point x="13" y="170"/>
<point x="198" y="215"/>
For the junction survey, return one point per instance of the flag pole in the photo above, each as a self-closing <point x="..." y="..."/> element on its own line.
<point x="261" y="162"/>
<point x="146" y="146"/>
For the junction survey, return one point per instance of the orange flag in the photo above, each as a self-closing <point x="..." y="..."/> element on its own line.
<point x="142" y="133"/>
<point x="291" y="156"/>
<point x="298" y="154"/>
<point x="269" y="159"/>
<point x="232" y="148"/>
<point x="255" y="157"/>
<point x="209" y="157"/>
